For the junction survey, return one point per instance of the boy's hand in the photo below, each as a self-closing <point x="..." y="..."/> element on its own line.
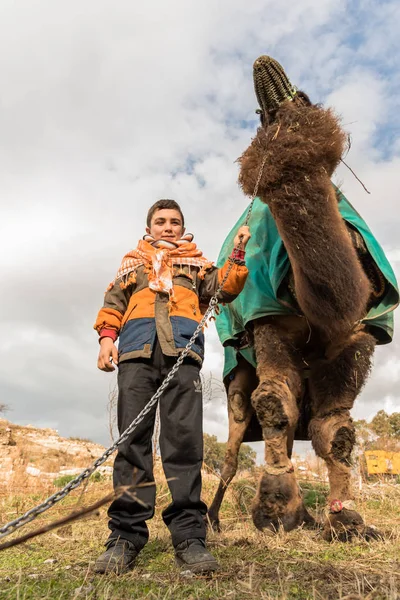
<point x="108" y="352"/>
<point x="242" y="237"/>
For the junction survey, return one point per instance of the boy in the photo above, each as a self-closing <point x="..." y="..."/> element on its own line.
<point x="154" y="306"/>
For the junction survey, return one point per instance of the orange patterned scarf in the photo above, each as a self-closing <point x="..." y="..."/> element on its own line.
<point x="158" y="258"/>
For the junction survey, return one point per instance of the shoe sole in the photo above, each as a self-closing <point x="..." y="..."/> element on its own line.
<point x="108" y="568"/>
<point x="205" y="567"/>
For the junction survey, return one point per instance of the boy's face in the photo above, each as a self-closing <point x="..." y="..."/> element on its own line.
<point x="166" y="224"/>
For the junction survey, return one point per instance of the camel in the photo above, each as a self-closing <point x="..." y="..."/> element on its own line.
<point x="312" y="361"/>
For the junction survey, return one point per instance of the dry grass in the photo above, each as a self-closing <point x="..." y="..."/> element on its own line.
<point x="253" y="565"/>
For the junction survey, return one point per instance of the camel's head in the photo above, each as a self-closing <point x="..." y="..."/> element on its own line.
<point x="272" y="87"/>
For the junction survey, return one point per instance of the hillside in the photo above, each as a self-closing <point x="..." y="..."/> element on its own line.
<point x="28" y="453"/>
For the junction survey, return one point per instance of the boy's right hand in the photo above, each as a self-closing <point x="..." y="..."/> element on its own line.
<point x="108" y="354"/>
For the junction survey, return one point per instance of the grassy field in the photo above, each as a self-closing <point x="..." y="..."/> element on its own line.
<point x="58" y="565"/>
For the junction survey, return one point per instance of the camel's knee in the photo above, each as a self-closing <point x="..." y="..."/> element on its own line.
<point x="333" y="436"/>
<point x="275" y="407"/>
<point x="277" y="413"/>
<point x="239" y="405"/>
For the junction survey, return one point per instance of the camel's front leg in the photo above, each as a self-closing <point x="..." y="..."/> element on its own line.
<point x="278" y="500"/>
<point x="239" y="412"/>
<point x="236" y="434"/>
<point x="334" y="385"/>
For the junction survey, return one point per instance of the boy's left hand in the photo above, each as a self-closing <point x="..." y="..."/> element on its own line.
<point x="242" y="237"/>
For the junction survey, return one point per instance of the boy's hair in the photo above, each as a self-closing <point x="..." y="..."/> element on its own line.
<point x="164" y="203"/>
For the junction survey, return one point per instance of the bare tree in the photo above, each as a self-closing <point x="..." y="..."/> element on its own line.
<point x="213" y="388"/>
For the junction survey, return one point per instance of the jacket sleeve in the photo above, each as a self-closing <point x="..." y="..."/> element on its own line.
<point x="109" y="318"/>
<point x="232" y="287"/>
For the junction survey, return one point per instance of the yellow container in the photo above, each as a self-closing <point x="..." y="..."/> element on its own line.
<point x="382" y="462"/>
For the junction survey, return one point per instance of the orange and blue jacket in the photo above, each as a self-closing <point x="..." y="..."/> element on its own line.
<point x="139" y="315"/>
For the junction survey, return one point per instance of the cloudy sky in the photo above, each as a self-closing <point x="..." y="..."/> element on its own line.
<point x="106" y="107"/>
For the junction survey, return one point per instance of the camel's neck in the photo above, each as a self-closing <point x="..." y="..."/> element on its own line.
<point x="331" y="287"/>
<point x="301" y="151"/>
<point x="309" y="222"/>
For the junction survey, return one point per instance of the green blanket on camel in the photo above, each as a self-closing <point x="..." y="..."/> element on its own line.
<point x="268" y="264"/>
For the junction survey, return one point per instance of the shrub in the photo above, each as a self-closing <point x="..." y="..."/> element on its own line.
<point x="61" y="481"/>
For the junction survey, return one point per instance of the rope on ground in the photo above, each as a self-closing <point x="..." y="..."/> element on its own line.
<point x="78" y="514"/>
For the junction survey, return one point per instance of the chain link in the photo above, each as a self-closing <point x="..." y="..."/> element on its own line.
<point x="247" y="219"/>
<point x="34" y="512"/>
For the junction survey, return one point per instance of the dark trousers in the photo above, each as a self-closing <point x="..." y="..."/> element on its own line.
<point x="181" y="446"/>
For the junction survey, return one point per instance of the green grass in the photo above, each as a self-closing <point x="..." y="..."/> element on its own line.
<point x="62" y="481"/>
<point x="314" y="494"/>
<point x="295" y="565"/>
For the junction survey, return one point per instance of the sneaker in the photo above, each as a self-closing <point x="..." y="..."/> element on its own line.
<point x="194" y="555"/>
<point x="118" y="558"/>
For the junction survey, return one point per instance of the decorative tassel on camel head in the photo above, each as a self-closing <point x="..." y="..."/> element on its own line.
<point x="272" y="87"/>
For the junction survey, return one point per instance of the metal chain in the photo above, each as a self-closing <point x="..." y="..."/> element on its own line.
<point x="247" y="219"/>
<point x="34" y="512"/>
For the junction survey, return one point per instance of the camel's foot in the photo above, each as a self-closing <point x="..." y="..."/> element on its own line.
<point x="212" y="521"/>
<point x="278" y="503"/>
<point x="346" y="525"/>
